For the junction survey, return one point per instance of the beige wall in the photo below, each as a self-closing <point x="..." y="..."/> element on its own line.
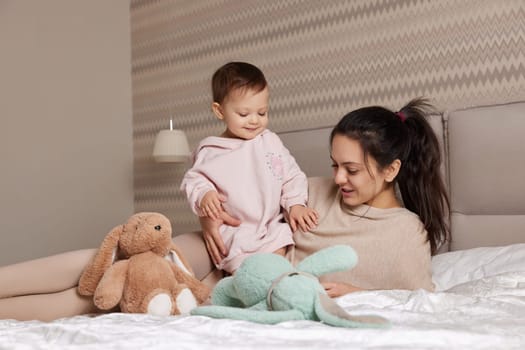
<point x="66" y="134"/>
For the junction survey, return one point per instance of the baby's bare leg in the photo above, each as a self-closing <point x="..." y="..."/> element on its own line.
<point x="46" y="307"/>
<point x="280" y="251"/>
<point x="45" y="275"/>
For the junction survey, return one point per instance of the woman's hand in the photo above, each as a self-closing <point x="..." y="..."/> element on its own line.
<point x="336" y="289"/>
<point x="212" y="237"/>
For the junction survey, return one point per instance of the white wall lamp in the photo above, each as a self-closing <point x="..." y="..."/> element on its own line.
<point x="171" y="146"/>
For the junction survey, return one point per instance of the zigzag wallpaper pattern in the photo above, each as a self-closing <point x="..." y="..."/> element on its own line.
<point x="321" y="59"/>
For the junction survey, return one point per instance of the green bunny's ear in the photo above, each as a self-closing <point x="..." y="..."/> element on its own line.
<point x="224" y="293"/>
<point x="259" y="316"/>
<point x="331" y="259"/>
<point x="330" y="313"/>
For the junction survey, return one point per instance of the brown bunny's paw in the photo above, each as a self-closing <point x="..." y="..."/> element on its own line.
<point x="160" y="305"/>
<point x="185" y="301"/>
<point x="158" y="302"/>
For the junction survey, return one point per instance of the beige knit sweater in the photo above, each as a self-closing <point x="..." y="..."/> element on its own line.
<point x="391" y="243"/>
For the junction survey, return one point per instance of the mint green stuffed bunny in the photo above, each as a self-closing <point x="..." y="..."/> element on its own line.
<point x="268" y="289"/>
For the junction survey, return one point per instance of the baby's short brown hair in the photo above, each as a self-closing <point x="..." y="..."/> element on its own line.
<point x="236" y="75"/>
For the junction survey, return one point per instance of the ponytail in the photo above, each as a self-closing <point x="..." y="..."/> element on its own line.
<point x="420" y="182"/>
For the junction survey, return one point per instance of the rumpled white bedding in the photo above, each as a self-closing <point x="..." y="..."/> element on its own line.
<point x="479" y="304"/>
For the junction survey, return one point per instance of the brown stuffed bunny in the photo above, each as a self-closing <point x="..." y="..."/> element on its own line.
<point x="150" y="274"/>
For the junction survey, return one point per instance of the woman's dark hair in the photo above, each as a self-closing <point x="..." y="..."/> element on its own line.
<point x="236" y="75"/>
<point x="406" y="135"/>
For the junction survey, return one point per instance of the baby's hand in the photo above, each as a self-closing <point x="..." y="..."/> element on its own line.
<point x="303" y="217"/>
<point x="211" y="204"/>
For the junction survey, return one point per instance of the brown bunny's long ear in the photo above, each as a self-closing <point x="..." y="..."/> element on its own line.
<point x="176" y="256"/>
<point x="104" y="258"/>
<point x="184" y="274"/>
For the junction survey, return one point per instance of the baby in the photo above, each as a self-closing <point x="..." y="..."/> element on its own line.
<point x="247" y="171"/>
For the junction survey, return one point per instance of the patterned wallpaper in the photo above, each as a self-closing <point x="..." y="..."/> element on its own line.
<point x="321" y="59"/>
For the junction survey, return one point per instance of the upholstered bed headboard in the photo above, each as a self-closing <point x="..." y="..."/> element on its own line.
<point x="486" y="161"/>
<point x="311" y="150"/>
<point x="484" y="166"/>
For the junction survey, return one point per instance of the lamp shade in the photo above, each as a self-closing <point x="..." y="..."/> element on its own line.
<point x="171" y="146"/>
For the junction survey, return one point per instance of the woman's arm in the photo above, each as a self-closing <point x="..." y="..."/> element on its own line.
<point x="337" y="289"/>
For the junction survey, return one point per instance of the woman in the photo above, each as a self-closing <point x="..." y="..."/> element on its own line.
<point x="372" y="150"/>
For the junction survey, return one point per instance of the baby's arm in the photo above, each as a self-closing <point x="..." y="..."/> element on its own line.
<point x="196" y="185"/>
<point x="295" y="193"/>
<point x="303" y="217"/>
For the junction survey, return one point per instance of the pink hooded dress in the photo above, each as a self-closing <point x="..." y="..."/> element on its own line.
<point x="258" y="177"/>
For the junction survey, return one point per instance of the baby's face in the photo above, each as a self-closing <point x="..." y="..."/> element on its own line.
<point x="245" y="113"/>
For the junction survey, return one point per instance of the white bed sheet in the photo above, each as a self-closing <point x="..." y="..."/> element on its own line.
<point x="480" y="304"/>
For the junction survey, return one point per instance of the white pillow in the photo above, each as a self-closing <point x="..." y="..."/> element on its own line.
<point x="452" y="268"/>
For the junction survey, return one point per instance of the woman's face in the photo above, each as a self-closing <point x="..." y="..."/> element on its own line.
<point x="358" y="183"/>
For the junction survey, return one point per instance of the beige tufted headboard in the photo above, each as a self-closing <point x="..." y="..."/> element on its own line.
<point x="484" y="153"/>
<point x="486" y="162"/>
